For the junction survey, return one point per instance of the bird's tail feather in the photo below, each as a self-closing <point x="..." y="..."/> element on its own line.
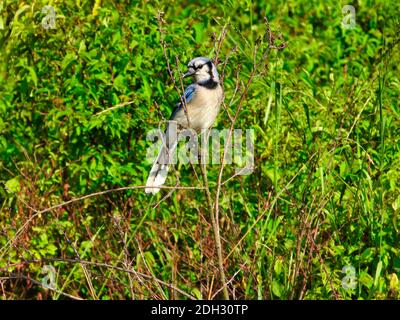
<point x="159" y="171"/>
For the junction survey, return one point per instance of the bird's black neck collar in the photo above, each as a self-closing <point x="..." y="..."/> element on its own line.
<point x="209" y="84"/>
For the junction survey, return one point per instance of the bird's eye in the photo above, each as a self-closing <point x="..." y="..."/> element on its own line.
<point x="197" y="67"/>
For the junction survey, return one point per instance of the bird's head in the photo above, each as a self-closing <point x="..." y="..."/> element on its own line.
<point x="202" y="69"/>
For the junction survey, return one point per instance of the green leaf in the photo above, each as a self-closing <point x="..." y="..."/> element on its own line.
<point x="69" y="58"/>
<point x="119" y="83"/>
<point x="366" y="279"/>
<point x="394" y="282"/>
<point x="196" y="292"/>
<point x="276" y="288"/>
<point x="378" y="273"/>
<point x="199" y="30"/>
<point x="368" y="254"/>
<point x="33" y="75"/>
<point x="51" y="249"/>
<point x="278" y="267"/>
<point x="396" y="204"/>
<point x="13" y="185"/>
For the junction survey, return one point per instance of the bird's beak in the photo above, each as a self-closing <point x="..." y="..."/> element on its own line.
<point x="188" y="74"/>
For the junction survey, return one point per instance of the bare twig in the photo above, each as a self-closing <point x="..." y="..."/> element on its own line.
<point x="219" y="44"/>
<point x="85" y="271"/>
<point x="225" y="284"/>
<point x="149" y="269"/>
<point x="217" y="236"/>
<point x="270" y="208"/>
<point x="244" y="93"/>
<point x="100" y="265"/>
<point x="13" y="275"/>
<point x="39" y="212"/>
<point x="114" y="107"/>
<point x="182" y="98"/>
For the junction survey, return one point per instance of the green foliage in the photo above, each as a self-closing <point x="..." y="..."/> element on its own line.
<point x="76" y="104"/>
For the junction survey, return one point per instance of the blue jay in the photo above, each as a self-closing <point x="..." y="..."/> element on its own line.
<point x="203" y="100"/>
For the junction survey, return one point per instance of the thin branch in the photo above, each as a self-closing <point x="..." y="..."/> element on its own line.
<point x="182" y="97"/>
<point x="85" y="271"/>
<point x="217" y="236"/>
<point x="271" y="207"/>
<point x="256" y="65"/>
<point x="225" y="284"/>
<point x="13" y="275"/>
<point x="102" y="265"/>
<point x="219" y="44"/>
<point x="114" y="107"/>
<point x="39" y="212"/>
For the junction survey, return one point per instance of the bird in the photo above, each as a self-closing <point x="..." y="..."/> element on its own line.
<point x="202" y="99"/>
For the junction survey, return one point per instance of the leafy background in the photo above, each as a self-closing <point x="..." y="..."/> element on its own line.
<point x="324" y="193"/>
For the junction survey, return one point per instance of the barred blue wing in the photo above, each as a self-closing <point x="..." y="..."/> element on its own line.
<point x="188" y="94"/>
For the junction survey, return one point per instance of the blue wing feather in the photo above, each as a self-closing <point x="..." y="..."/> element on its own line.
<point x="188" y="94"/>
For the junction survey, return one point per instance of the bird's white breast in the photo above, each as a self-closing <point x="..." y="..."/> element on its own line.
<point x="204" y="107"/>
